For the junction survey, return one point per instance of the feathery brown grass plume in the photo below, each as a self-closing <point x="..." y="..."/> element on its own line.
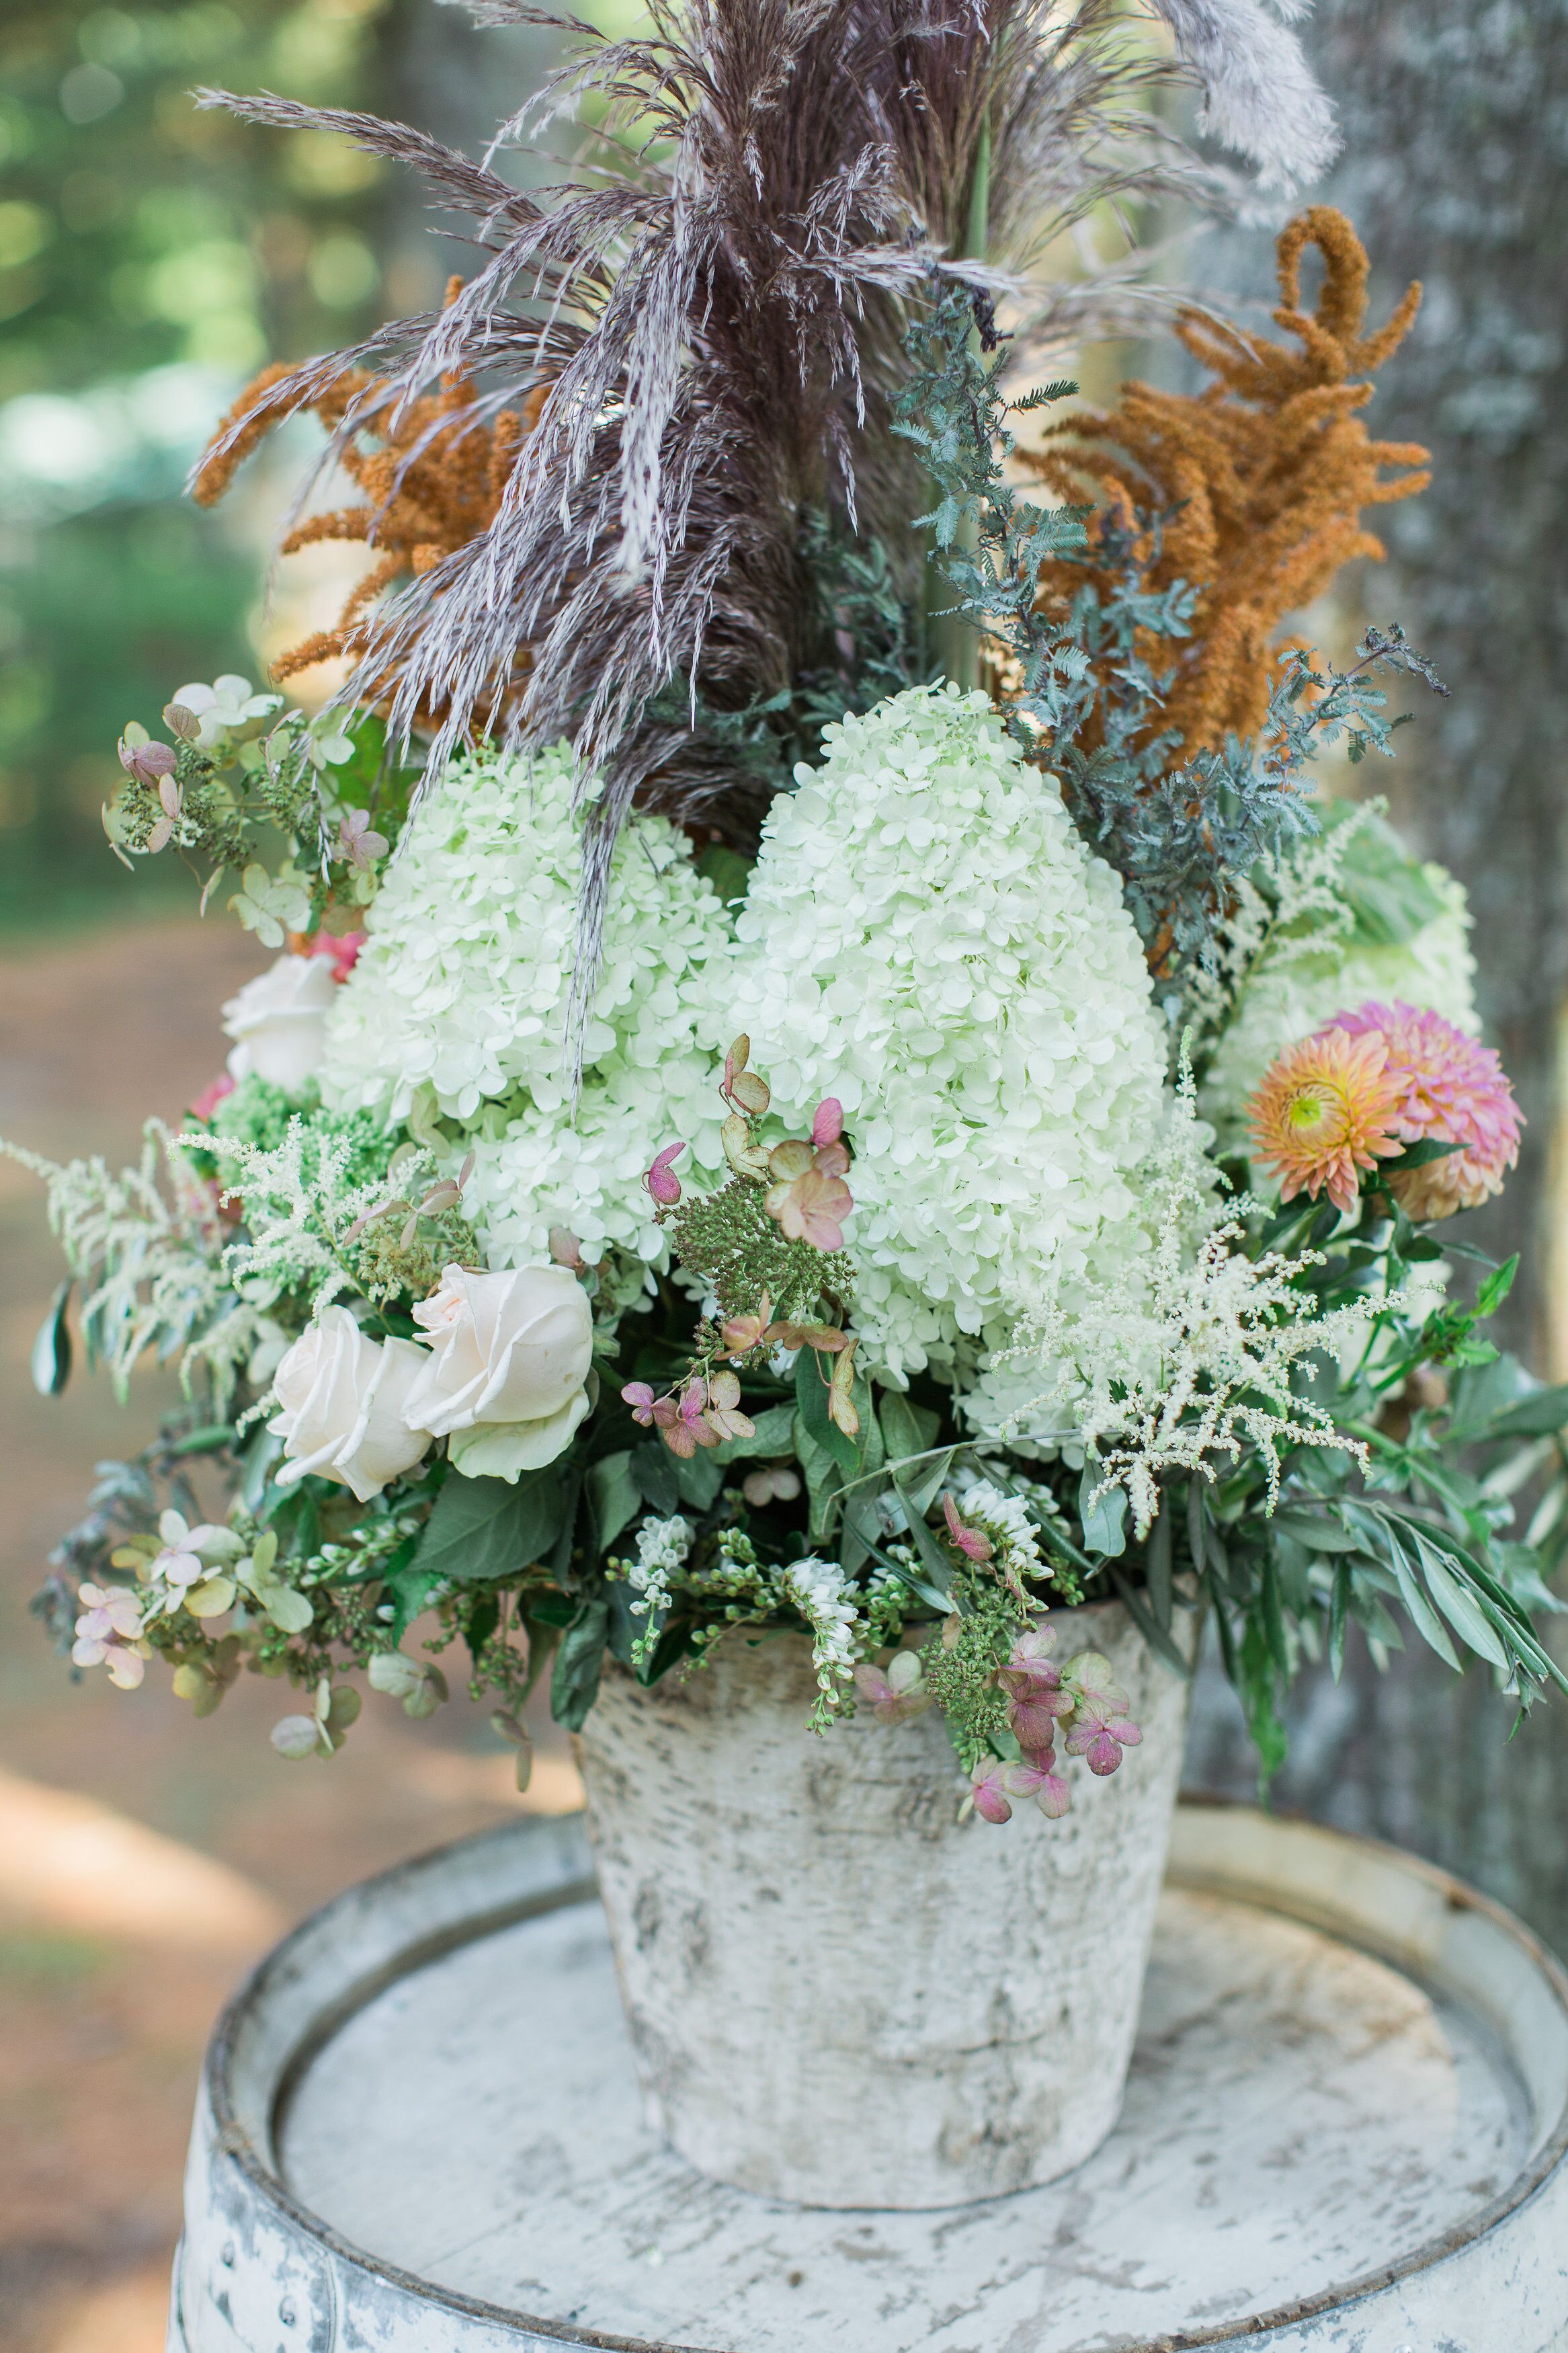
<point x="433" y="473"/>
<point x="1256" y="486"/>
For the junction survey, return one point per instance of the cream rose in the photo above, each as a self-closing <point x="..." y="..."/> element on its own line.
<point x="344" y="1398"/>
<point x="508" y="1355"/>
<point x="279" y="1020"/>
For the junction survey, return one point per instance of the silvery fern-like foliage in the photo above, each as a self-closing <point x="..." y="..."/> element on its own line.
<point x="146" y="1245"/>
<point x="712" y="312"/>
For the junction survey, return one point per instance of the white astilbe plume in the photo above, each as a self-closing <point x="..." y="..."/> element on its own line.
<point x="1190" y="1355"/>
<point x="1259" y="93"/>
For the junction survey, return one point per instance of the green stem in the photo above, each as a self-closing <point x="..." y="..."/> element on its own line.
<point x="958" y="643"/>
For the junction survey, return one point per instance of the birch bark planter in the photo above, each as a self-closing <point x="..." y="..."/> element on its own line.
<point x="837" y="1993"/>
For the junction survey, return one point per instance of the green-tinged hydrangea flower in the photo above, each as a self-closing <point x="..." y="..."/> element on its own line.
<point x="927" y="938"/>
<point x="458" y="1001"/>
<point x="1372" y="924"/>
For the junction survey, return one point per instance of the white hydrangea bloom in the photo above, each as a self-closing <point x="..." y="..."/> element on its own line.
<point x="927" y="937"/>
<point x="1324" y="965"/>
<point x="459" y="998"/>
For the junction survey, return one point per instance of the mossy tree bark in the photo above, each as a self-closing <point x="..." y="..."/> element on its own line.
<point x="1456" y="172"/>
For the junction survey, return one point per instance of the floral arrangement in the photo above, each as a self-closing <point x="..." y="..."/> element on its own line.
<point x="781" y="1126"/>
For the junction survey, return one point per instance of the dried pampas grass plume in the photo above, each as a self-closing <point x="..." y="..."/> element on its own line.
<point x="705" y="326"/>
<point x="433" y="472"/>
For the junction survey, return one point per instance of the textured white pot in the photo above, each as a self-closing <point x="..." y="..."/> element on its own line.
<point x="840" y="1994"/>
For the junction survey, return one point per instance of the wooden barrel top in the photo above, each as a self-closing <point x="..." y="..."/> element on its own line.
<point x="1346" y="2126"/>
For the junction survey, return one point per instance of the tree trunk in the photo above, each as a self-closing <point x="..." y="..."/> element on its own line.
<point x="1456" y="172"/>
<point x="459" y="81"/>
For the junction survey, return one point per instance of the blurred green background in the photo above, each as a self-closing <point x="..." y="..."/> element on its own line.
<point x="150" y="258"/>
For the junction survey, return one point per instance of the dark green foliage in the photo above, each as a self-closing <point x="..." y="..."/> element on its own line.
<point x="482" y="1529"/>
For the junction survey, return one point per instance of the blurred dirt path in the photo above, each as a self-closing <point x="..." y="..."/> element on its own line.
<point x="144" y="1858"/>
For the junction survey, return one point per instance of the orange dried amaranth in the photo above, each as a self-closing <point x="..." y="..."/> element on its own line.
<point x="433" y="480"/>
<point x="1257" y="485"/>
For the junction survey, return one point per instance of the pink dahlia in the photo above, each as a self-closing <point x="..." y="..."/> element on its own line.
<point x="1451" y="1090"/>
<point x="1328" y="1108"/>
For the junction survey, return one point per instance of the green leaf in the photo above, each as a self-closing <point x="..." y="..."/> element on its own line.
<point x="483" y="1528"/>
<point x="728" y="872"/>
<point x="1417" y="1156"/>
<point x="614" y="1496"/>
<point x="905" y="1428"/>
<point x="1274" y="1620"/>
<point x="823" y="1478"/>
<point x="653" y="1471"/>
<point x="1315" y="1530"/>
<point x="579" y="1662"/>
<point x="408" y="1588"/>
<point x="1459" y="1606"/>
<point x="934" y="1588"/>
<point x="1496" y="1287"/>
<point x="1104" y="1517"/>
<point x="50" y="1362"/>
<point x="918" y="1484"/>
<point x="1536" y="1416"/>
<point x="811" y="1402"/>
<point x="1423" y="1616"/>
<point x="698" y="1478"/>
<point x="774" y="1434"/>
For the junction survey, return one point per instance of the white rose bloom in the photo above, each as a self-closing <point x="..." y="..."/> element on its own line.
<point x="508" y="1355"/>
<point x="345" y="1397"/>
<point x="279" y="1020"/>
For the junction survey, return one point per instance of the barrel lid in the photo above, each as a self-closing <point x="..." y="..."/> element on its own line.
<point x="1351" y="2089"/>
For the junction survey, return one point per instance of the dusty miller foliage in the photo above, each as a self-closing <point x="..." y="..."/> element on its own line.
<point x="1179" y="831"/>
